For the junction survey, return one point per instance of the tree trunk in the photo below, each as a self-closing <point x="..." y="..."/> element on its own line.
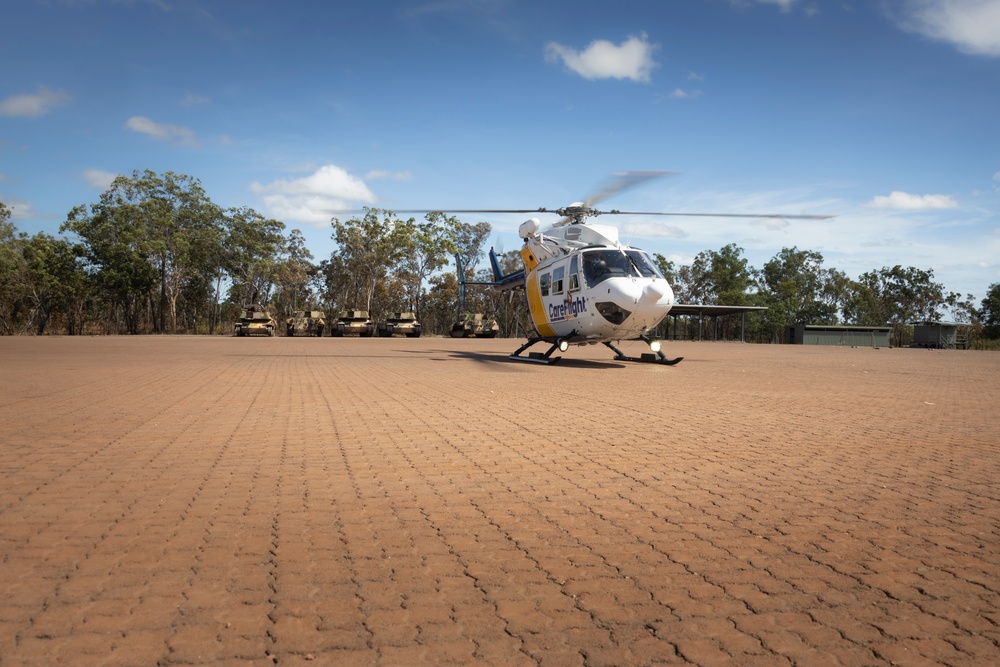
<point x="163" y="295"/>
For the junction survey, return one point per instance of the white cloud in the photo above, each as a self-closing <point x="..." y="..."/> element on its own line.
<point x="681" y="94"/>
<point x="161" y="131"/>
<point x="632" y="59"/>
<point x="903" y="201"/>
<point x="311" y="199"/>
<point x="38" y="103"/>
<point x="19" y="209"/>
<point x="773" y="224"/>
<point x="972" y="26"/>
<point x="98" y="178"/>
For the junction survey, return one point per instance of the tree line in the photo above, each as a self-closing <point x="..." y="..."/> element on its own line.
<point x="155" y="255"/>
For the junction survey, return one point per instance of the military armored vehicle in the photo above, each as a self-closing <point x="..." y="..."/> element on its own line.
<point x="400" y="323"/>
<point x="477" y="325"/>
<point x="353" y="322"/>
<point x="254" y="321"/>
<point x="305" y="323"/>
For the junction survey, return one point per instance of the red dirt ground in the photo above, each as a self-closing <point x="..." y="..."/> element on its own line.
<point x="195" y="500"/>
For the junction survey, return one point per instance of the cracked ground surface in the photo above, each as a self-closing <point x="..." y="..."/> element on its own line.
<point x="195" y="500"/>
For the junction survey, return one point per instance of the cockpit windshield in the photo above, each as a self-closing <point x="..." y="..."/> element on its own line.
<point x="599" y="265"/>
<point x="647" y="269"/>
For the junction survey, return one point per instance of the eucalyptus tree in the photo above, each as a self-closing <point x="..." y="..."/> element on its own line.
<point x="468" y="240"/>
<point x="896" y="297"/>
<point x="837" y="291"/>
<point x="667" y="268"/>
<point x="182" y="224"/>
<point x="721" y="277"/>
<point x="149" y="231"/>
<point x="11" y="273"/>
<point x="989" y="313"/>
<point x="252" y="249"/>
<point x="431" y="245"/>
<point x="55" y="280"/>
<point x="440" y="303"/>
<point x="117" y="253"/>
<point x="367" y="248"/>
<point x="295" y="272"/>
<point x="791" y="285"/>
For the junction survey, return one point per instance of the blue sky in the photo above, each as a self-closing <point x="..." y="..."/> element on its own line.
<point x="885" y="114"/>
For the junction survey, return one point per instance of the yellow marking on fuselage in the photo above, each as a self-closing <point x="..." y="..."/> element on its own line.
<point x="536" y="307"/>
<point x="529" y="259"/>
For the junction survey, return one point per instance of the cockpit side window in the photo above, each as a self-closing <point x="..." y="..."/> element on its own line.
<point x="557" y="279"/>
<point x="544" y="281"/>
<point x="574" y="274"/>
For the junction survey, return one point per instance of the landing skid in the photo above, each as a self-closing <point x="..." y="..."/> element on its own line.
<point x="536" y="357"/>
<point x="645" y="358"/>
<point x="548" y="359"/>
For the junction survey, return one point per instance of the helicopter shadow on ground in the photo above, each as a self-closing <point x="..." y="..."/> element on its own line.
<point x="492" y="358"/>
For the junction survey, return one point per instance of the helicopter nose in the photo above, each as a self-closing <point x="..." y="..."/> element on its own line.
<point x="653" y="293"/>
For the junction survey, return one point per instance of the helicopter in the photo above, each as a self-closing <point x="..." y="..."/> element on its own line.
<point x="582" y="285"/>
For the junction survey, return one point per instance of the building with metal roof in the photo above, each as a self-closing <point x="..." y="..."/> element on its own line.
<point x="701" y="311"/>
<point x="937" y="334"/>
<point x="838" y="334"/>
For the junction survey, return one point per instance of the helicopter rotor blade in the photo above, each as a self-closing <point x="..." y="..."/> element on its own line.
<point x="595" y="212"/>
<point x="786" y="216"/>
<point x="447" y="210"/>
<point x="623" y="180"/>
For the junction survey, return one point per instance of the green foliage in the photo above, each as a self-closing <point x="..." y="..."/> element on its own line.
<point x="666" y="267"/>
<point x="12" y="274"/>
<point x="55" y="279"/>
<point x="252" y="251"/>
<point x="382" y="264"/>
<point x="896" y="297"/>
<point x="989" y="313"/>
<point x="294" y="276"/>
<point x="715" y="277"/>
<point x="794" y="287"/>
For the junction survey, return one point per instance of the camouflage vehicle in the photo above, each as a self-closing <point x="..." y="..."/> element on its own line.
<point x="400" y="323"/>
<point x="305" y="323"/>
<point x="477" y="325"/>
<point x="254" y="321"/>
<point x="353" y="322"/>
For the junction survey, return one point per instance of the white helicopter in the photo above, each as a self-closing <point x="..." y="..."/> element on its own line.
<point x="583" y="286"/>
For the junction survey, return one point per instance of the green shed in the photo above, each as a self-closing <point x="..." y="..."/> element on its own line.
<point x="839" y="334"/>
<point x="936" y="334"/>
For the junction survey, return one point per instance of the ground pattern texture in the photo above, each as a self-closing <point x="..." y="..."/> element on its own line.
<point x="224" y="501"/>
